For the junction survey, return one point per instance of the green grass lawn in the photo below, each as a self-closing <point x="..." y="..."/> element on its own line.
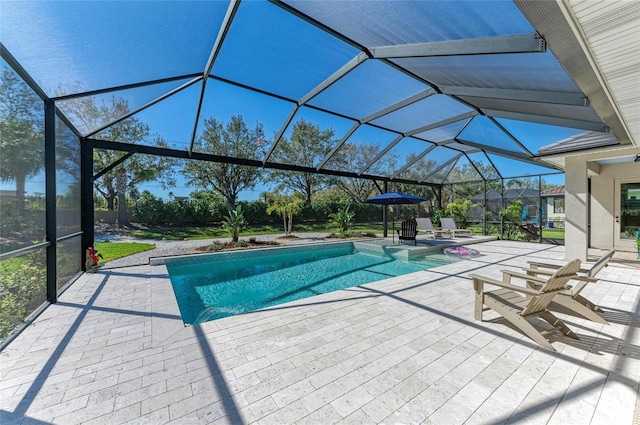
<point x="553" y="233"/>
<point x="114" y="250"/>
<point x="12" y="264"/>
<point x="209" y="232"/>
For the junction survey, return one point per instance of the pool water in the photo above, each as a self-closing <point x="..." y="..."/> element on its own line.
<point x="216" y="289"/>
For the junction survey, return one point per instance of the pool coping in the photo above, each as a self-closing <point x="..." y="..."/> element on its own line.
<point x="398" y="251"/>
<point x="165" y="304"/>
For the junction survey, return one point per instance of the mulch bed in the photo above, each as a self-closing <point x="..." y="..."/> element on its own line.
<point x="233" y="246"/>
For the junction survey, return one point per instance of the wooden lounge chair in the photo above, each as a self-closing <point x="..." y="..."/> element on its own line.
<point x="570" y="297"/>
<point x="519" y="304"/>
<point x="424" y="224"/>
<point x="408" y="231"/>
<point x="448" y="223"/>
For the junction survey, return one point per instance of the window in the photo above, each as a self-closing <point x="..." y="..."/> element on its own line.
<point x="558" y="205"/>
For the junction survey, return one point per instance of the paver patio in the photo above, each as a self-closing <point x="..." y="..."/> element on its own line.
<point x="401" y="351"/>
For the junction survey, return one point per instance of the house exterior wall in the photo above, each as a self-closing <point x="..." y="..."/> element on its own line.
<point x="593" y="224"/>
<point x="576" y="219"/>
<point x="551" y="213"/>
<point x="603" y="201"/>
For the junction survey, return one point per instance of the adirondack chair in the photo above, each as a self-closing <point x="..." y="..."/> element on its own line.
<point x="520" y="304"/>
<point x="408" y="231"/>
<point x="570" y="297"/>
<point x="448" y="223"/>
<point x="424" y="224"/>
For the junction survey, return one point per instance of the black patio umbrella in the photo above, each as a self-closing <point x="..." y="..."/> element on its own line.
<point x="395" y="198"/>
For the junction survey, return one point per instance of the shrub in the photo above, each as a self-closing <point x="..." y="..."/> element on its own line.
<point x="235" y="222"/>
<point x="459" y="210"/>
<point x="23" y="289"/>
<point x="342" y="219"/>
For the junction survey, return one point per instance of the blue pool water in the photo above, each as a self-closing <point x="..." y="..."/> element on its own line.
<point x="226" y="286"/>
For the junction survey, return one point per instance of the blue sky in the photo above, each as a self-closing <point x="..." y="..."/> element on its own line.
<point x="93" y="45"/>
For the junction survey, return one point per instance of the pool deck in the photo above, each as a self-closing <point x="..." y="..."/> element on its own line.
<point x="406" y="350"/>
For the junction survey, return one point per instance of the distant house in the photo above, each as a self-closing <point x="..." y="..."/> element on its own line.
<point x="494" y="202"/>
<point x="7" y="196"/>
<point x="553" y="200"/>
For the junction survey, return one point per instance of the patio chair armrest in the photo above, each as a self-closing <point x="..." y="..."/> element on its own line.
<point x="514" y="273"/>
<point x="516" y="288"/>
<point x="552" y="266"/>
<point x="536" y="272"/>
<point x="544" y="265"/>
<point x="585" y="278"/>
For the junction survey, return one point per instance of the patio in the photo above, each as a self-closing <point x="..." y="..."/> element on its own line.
<point x="404" y="350"/>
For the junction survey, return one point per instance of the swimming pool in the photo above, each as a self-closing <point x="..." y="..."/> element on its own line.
<point x="225" y="284"/>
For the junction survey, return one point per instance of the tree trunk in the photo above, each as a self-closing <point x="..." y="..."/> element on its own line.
<point x="121" y="189"/>
<point x="20" y="194"/>
<point x="308" y="193"/>
<point x="290" y="223"/>
<point x="111" y="202"/>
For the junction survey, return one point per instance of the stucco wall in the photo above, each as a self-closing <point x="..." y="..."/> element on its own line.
<point x="601" y="222"/>
<point x="603" y="201"/>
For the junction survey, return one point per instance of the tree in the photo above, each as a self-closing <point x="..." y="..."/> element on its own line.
<point x="459" y="210"/>
<point x="21" y="127"/>
<point x="308" y="147"/>
<point x="121" y="182"/>
<point x="342" y="219"/>
<point x="234" y="140"/>
<point x="511" y="215"/>
<point x="235" y="222"/>
<point x="530" y="181"/>
<point x="287" y="207"/>
<point x="127" y="176"/>
<point x="356" y="157"/>
<point x="466" y="180"/>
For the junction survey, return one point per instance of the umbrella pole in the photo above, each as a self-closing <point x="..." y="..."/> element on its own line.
<point x="394" y="226"/>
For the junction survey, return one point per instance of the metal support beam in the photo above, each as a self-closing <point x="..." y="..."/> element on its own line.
<point x="484" y="209"/>
<point x="510" y="136"/>
<point x="442" y="123"/>
<point x="284" y="127"/>
<point x="550" y="120"/>
<point x="232" y="9"/>
<point x="295" y="12"/>
<point x="411" y="163"/>
<point x="441" y="167"/>
<point x="111" y="166"/>
<point x="525" y="43"/>
<point x="498" y="151"/>
<point x="385" y="211"/>
<point x="97" y="92"/>
<point x="338" y="145"/>
<point x="503" y="207"/>
<point x="86" y="200"/>
<point x="406" y="102"/>
<point x="540" y="222"/>
<point x="554" y="20"/>
<point x="215" y="50"/>
<point x="381" y="153"/>
<point x="475" y="167"/>
<point x="344" y="70"/>
<point x="183" y="154"/>
<point x="24" y="75"/>
<point x="197" y="117"/>
<point x="50" y="198"/>
<point x="537" y="96"/>
<point x="143" y="107"/>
